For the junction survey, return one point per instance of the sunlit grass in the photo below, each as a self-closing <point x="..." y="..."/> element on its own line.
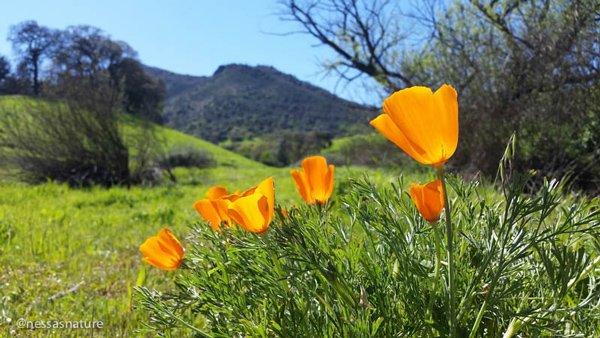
<point x="72" y="254"/>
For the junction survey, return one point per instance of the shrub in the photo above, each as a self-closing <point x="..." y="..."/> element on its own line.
<point x="73" y="139"/>
<point x="371" y="150"/>
<point x="186" y="156"/>
<point x="281" y="149"/>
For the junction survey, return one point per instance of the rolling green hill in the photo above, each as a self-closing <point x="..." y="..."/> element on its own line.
<point x="174" y="139"/>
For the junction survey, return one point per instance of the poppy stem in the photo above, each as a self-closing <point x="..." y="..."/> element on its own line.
<point x="450" y="251"/>
<point x="438" y="259"/>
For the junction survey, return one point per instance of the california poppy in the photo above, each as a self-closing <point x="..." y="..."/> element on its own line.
<point x="315" y="183"/>
<point x="213" y="208"/>
<point x="253" y="210"/>
<point x="422" y="123"/>
<point x="163" y="251"/>
<point x="429" y="199"/>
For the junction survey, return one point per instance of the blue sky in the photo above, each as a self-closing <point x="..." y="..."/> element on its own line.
<point x="192" y="37"/>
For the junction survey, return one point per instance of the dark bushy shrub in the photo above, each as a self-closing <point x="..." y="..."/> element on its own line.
<point x="74" y="138"/>
<point x="186" y="156"/>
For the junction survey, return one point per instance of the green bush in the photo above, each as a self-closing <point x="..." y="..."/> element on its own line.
<point x="187" y="157"/>
<point x="372" y="150"/>
<point x="368" y="265"/>
<point x="281" y="149"/>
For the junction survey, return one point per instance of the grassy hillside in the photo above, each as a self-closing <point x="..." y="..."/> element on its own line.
<point x="171" y="139"/>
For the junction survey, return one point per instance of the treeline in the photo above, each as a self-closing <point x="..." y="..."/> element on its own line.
<point x="529" y="68"/>
<point x="83" y="82"/>
<point x="281" y="148"/>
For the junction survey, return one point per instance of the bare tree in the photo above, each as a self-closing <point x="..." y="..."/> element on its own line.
<point x="86" y="51"/>
<point x="368" y="36"/>
<point x="531" y="67"/>
<point x="32" y="42"/>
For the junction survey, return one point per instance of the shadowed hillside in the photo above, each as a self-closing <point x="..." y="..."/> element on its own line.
<point x="238" y="102"/>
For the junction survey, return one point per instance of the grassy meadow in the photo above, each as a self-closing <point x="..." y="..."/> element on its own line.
<point x="72" y="254"/>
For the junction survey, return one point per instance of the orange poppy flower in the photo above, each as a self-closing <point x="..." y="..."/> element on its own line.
<point x="213" y="208"/>
<point x="422" y="123"/>
<point x="315" y="184"/>
<point x="429" y="199"/>
<point x="163" y="251"/>
<point x="253" y="210"/>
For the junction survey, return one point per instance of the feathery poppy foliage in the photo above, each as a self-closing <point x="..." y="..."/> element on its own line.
<point x="422" y="123"/>
<point x="365" y="267"/>
<point x="429" y="199"/>
<point x="163" y="250"/>
<point x="315" y="183"/>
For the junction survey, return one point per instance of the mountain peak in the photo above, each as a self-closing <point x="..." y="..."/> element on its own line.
<point x="240" y="101"/>
<point x="240" y="67"/>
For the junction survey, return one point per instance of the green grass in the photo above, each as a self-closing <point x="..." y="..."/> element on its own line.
<point x="72" y="254"/>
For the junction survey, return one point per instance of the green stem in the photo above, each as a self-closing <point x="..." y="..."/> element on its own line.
<point x="478" y="319"/>
<point x="438" y="259"/>
<point x="450" y="251"/>
<point x="199" y="332"/>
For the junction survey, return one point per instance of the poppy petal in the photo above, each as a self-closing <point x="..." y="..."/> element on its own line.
<point x="172" y="242"/>
<point x="267" y="189"/>
<point x="384" y="124"/>
<point x="207" y="210"/>
<point x="428" y="199"/>
<point x="446" y="102"/>
<point x="216" y="192"/>
<point x="246" y="212"/>
<point x="302" y="185"/>
<point x="330" y="180"/>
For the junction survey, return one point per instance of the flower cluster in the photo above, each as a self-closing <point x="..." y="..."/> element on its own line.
<point x="252" y="210"/>
<point x="422" y="123"/>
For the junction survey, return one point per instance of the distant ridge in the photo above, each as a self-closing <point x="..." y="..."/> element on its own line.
<point x="239" y="102"/>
